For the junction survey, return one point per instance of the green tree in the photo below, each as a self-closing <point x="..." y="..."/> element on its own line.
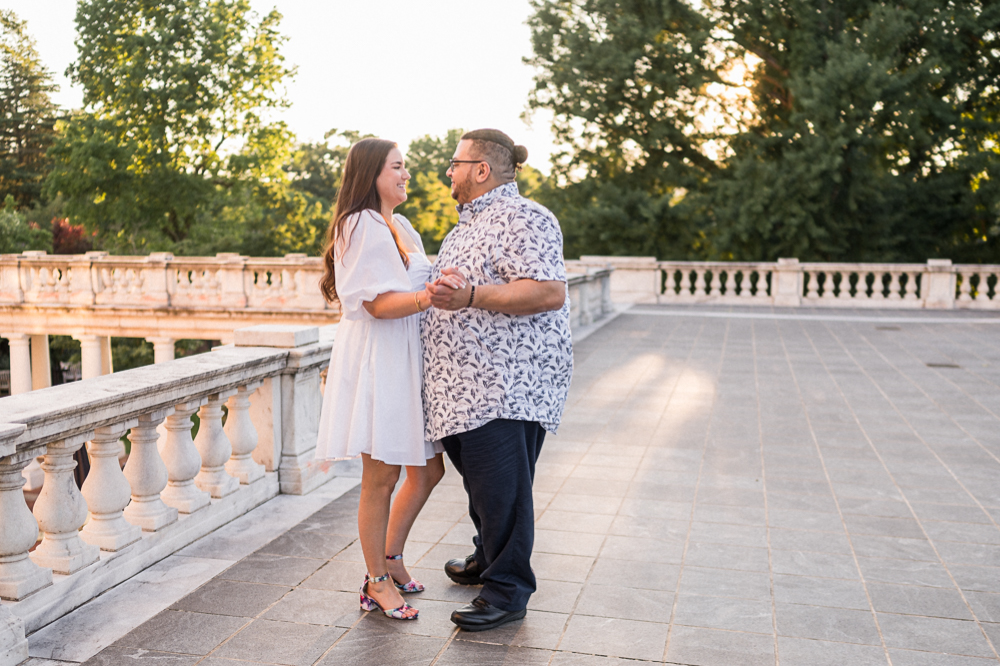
<point x="749" y="129"/>
<point x="17" y="234"/>
<point x="27" y="114"/>
<point x="175" y="149"/>
<point x="429" y="206"/>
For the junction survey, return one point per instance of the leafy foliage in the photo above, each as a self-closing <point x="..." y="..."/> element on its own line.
<point x="749" y="129"/>
<point x="175" y="150"/>
<point x="429" y="206"/>
<point x="27" y="114"/>
<point x="17" y="234"/>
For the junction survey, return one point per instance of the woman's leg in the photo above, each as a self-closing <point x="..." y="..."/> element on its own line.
<point x="377" y="483"/>
<point x="410" y="499"/>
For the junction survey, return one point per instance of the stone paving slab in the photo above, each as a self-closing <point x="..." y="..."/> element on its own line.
<point x="729" y="486"/>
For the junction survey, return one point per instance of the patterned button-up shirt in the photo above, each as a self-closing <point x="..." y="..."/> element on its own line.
<point x="481" y="365"/>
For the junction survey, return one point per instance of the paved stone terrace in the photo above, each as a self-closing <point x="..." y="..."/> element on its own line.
<point x="806" y="487"/>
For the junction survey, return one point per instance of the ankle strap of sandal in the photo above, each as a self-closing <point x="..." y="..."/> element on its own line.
<point x="377" y="579"/>
<point x="394" y="557"/>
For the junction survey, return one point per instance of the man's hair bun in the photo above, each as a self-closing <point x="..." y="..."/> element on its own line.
<point x="520" y="154"/>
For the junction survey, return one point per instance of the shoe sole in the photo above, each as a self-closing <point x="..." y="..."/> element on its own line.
<point x="492" y="625"/>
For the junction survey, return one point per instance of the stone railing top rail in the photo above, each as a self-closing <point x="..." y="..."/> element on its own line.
<point x="30" y="420"/>
<point x="649" y="263"/>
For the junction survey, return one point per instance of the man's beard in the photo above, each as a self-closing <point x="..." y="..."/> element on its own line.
<point x="460" y="189"/>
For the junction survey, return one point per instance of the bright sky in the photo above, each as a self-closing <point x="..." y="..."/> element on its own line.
<point x="393" y="68"/>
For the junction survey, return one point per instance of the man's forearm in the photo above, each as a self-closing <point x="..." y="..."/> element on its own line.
<point x="523" y="297"/>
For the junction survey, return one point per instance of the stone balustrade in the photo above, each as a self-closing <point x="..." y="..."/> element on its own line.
<point x="589" y="294"/>
<point x="938" y="284"/>
<point x="174" y="488"/>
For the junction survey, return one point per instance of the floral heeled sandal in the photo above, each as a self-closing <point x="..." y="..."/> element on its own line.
<point x="369" y="604"/>
<point x="406" y="588"/>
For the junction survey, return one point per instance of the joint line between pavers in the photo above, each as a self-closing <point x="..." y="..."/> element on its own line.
<point x="881" y="460"/>
<point x="829" y="480"/>
<point x="697" y="488"/>
<point x="763" y="481"/>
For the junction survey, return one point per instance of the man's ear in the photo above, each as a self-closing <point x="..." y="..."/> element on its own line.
<point x="483" y="172"/>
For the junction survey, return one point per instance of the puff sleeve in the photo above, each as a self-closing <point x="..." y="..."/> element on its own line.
<point x="369" y="265"/>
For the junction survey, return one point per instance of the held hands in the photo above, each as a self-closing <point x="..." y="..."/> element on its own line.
<point x="450" y="291"/>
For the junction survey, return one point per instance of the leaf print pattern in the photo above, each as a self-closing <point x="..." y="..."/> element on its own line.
<point x="480" y="365"/>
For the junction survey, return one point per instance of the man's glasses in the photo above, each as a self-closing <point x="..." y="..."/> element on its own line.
<point x="454" y="162"/>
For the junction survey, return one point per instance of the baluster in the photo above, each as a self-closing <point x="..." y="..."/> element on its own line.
<point x="844" y="292"/>
<point x="699" y="282"/>
<point x="894" y="286"/>
<point x="108" y="492"/>
<point x="215" y="449"/>
<point x="182" y="461"/>
<point x="147" y="475"/>
<point x="965" y="288"/>
<point x="243" y="436"/>
<point x="715" y="285"/>
<point x="910" y="287"/>
<point x="828" y="286"/>
<point x="61" y="512"/>
<point x="812" y="286"/>
<point x="19" y="574"/>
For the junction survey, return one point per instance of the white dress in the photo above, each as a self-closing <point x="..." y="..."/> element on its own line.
<point x="372" y="400"/>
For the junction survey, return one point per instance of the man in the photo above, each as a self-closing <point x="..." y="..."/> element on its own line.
<point x="498" y="358"/>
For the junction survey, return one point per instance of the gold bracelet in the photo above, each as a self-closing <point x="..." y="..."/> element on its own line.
<point x="417" y="301"/>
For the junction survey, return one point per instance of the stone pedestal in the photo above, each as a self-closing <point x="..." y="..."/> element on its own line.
<point x="939" y="285"/>
<point x="786" y="283"/>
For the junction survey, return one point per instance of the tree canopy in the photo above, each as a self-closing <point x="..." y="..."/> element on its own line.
<point x="27" y="114"/>
<point x="750" y="129"/>
<point x="176" y="148"/>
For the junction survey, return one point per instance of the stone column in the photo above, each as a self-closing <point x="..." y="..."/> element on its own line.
<point x="61" y="511"/>
<point x="147" y="475"/>
<point x="107" y="492"/>
<point x="19" y="575"/>
<point x="182" y="461"/>
<point x="242" y="436"/>
<point x="215" y="449"/>
<point x="90" y="355"/>
<point x="41" y="371"/>
<point x="20" y="363"/>
<point x="163" y="349"/>
<point x="106" y="364"/>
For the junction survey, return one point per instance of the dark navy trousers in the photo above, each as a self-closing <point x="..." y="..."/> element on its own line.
<point x="497" y="464"/>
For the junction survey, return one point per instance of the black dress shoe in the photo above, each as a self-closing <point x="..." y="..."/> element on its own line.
<point x="464" y="572"/>
<point x="480" y="616"/>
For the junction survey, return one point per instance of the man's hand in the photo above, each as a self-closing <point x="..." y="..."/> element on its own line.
<point x="450" y="291"/>
<point x="521" y="297"/>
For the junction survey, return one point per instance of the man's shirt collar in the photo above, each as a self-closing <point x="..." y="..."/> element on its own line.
<point x="477" y="205"/>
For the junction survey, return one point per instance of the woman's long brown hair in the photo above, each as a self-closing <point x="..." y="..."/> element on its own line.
<point x="362" y="167"/>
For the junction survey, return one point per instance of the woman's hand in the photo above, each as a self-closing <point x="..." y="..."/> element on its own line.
<point x="451" y="277"/>
<point x="450" y="291"/>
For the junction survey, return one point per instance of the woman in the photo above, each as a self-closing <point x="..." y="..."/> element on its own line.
<point x="376" y="267"/>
